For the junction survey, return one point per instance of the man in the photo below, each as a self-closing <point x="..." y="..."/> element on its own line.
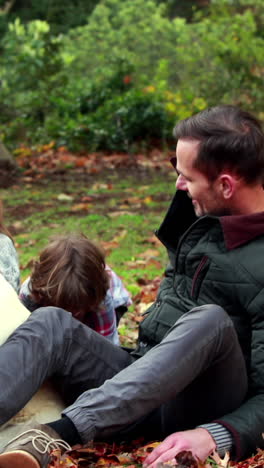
<point x="198" y="370"/>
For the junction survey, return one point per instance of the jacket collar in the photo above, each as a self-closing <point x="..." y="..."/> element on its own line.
<point x="237" y="229"/>
<point x="240" y="229"/>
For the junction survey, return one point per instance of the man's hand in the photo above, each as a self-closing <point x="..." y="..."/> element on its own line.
<point x="198" y="441"/>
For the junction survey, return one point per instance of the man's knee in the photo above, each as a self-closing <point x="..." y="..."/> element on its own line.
<point x="215" y="316"/>
<point x="207" y="317"/>
<point x="211" y="311"/>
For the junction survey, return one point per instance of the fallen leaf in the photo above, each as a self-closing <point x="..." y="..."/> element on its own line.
<point x="120" y="235"/>
<point x="221" y="462"/>
<point x="141" y="308"/>
<point x="80" y="207"/>
<point x="64" y="197"/>
<point x="87" y="198"/>
<point x="153" y="240"/>
<point x="125" y="205"/>
<point x="149" y="253"/>
<point x="148" y="200"/>
<point x="17" y="225"/>
<point x="80" y="162"/>
<point x="99" y="186"/>
<point x="186" y="459"/>
<point x="62" y="149"/>
<point x="115" y="214"/>
<point x="28" y="179"/>
<point x="108" y="246"/>
<point x="135" y="263"/>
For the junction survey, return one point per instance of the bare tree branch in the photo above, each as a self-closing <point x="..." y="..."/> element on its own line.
<point x="7" y="7"/>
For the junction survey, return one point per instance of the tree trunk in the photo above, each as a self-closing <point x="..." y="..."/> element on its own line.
<point x="8" y="167"/>
<point x="7" y="7"/>
<point x="6" y="159"/>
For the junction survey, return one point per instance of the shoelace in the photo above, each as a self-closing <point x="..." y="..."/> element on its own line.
<point x="42" y="442"/>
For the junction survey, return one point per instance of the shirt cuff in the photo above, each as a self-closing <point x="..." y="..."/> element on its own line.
<point x="221" y="436"/>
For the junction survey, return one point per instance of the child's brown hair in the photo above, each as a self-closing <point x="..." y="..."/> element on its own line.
<point x="70" y="274"/>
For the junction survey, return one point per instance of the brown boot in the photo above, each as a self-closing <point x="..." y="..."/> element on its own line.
<point x="32" y="448"/>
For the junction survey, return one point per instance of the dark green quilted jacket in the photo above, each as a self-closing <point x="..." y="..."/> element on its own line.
<point x="216" y="261"/>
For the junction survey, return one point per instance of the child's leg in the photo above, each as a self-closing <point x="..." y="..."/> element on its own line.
<point x="52" y="342"/>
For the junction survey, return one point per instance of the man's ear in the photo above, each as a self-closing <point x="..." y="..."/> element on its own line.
<point x="227" y="185"/>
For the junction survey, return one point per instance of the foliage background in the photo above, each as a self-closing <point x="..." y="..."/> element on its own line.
<point x="117" y="75"/>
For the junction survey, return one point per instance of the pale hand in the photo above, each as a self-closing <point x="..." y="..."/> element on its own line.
<point x="198" y="441"/>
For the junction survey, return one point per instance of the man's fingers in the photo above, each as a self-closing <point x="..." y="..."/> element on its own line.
<point x="164" y="457"/>
<point x="164" y="447"/>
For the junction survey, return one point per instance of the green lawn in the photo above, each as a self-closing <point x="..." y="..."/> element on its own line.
<point x="118" y="211"/>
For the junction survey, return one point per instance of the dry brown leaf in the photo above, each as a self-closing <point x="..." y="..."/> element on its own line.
<point x="109" y="246"/>
<point x="221" y="462"/>
<point x="120" y="235"/>
<point x="149" y="253"/>
<point x="80" y="207"/>
<point x="115" y="214"/>
<point x="153" y="240"/>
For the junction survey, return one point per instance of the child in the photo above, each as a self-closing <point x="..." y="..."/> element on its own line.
<point x="71" y="274"/>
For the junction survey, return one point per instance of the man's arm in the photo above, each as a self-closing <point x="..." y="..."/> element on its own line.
<point x="246" y="423"/>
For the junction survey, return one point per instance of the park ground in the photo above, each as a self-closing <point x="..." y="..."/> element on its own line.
<point x="118" y="201"/>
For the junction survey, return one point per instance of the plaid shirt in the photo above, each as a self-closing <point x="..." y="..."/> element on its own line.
<point x="103" y="321"/>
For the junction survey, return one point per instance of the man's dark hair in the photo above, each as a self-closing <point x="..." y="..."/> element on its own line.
<point x="70" y="274"/>
<point x="230" y="138"/>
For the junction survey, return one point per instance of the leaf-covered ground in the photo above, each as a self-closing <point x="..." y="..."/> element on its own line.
<point x="116" y="200"/>
<point x="102" y="455"/>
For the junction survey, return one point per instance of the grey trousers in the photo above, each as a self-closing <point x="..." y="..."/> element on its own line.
<point x="196" y="374"/>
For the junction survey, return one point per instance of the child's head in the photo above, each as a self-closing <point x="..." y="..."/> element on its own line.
<point x="70" y="274"/>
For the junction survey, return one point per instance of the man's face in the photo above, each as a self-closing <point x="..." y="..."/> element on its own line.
<point x="206" y="196"/>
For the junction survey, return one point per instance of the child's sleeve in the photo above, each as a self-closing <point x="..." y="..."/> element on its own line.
<point x="9" y="265"/>
<point x="104" y="320"/>
<point x="120" y="295"/>
<point x="25" y="296"/>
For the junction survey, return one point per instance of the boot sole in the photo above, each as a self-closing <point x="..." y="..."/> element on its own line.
<point x="18" y="459"/>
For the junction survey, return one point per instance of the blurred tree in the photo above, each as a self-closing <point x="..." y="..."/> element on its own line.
<point x="184" y="8"/>
<point x="60" y="19"/>
<point x="88" y="87"/>
<point x="30" y="74"/>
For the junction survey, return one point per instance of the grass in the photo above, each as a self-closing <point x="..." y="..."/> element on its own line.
<point x="118" y="211"/>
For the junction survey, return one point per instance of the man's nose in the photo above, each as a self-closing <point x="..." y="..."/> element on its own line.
<point x="181" y="183"/>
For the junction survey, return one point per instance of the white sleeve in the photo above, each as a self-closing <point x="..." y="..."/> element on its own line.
<point x="9" y="266"/>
